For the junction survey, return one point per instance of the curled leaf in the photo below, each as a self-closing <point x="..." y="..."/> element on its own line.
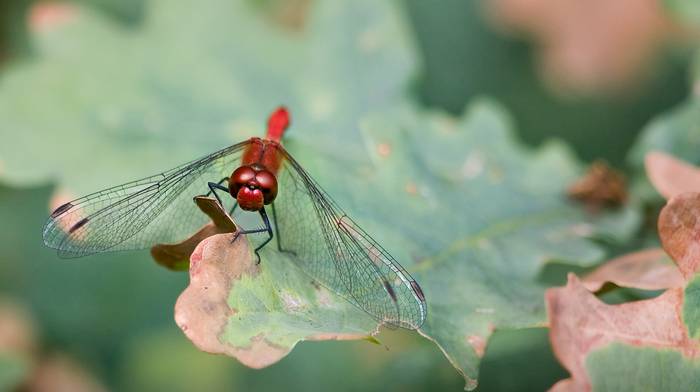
<point x="201" y="311"/>
<point x="601" y="186"/>
<point x="671" y="176"/>
<point x="679" y="229"/>
<point x="649" y="269"/>
<point x="176" y="256"/>
<point x="257" y="313"/>
<point x="580" y="323"/>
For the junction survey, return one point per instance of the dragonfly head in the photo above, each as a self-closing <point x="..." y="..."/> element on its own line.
<point x="253" y="186"/>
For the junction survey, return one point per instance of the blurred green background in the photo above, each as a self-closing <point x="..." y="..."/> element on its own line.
<point x="112" y="316"/>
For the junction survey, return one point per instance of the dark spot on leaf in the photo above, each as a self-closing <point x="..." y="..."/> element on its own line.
<point x="601" y="186"/>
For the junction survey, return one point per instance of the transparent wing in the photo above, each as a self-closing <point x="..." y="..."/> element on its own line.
<point x="334" y="250"/>
<point x="139" y="214"/>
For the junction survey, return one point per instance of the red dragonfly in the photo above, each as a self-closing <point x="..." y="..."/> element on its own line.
<point x="309" y="226"/>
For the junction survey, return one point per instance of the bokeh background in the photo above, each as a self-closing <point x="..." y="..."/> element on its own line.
<point x="588" y="72"/>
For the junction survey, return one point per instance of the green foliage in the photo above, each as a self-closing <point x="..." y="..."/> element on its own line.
<point x="125" y="96"/>
<point x="621" y="367"/>
<point x="282" y="305"/>
<point x="13" y="32"/>
<point x="675" y="131"/>
<point x="126" y="11"/>
<point x="480" y="233"/>
<point x="13" y="369"/>
<point x="528" y="351"/>
<point x="472" y="214"/>
<point x="686" y="10"/>
<point x="403" y="364"/>
<point x="128" y="336"/>
<point x="691" y="307"/>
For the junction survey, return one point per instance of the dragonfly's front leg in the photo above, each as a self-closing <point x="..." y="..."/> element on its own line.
<point x="213" y="186"/>
<point x="267" y="229"/>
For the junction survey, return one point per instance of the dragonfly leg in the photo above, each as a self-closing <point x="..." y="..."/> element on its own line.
<point x="212" y="189"/>
<point x="277" y="232"/>
<point x="213" y="186"/>
<point x="267" y="229"/>
<point x="221" y="181"/>
<point x="263" y="214"/>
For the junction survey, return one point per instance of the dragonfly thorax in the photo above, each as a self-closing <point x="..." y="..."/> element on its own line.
<point x="253" y="186"/>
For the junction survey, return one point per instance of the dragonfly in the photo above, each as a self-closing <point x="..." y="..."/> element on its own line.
<point x="309" y="226"/>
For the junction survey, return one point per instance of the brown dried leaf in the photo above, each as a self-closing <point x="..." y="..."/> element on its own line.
<point x="59" y="373"/>
<point x="649" y="269"/>
<point x="671" y="176"/>
<point x="601" y="186"/>
<point x="679" y="229"/>
<point x="176" y="256"/>
<point x="588" y="45"/>
<point x="291" y="14"/>
<point x="580" y="323"/>
<point x="16" y="329"/>
<point x="266" y="317"/>
<point x="47" y="15"/>
<point x="202" y="311"/>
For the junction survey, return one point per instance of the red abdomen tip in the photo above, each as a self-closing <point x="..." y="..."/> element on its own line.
<point x="277" y="123"/>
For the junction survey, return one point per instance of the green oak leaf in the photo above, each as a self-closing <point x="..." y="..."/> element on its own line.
<point x="471" y="214"/>
<point x="258" y="312"/>
<point x="478" y="214"/>
<point x="642" y="369"/>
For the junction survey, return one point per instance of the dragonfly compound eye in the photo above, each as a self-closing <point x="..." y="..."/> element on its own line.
<point x="268" y="185"/>
<point x="239" y="178"/>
